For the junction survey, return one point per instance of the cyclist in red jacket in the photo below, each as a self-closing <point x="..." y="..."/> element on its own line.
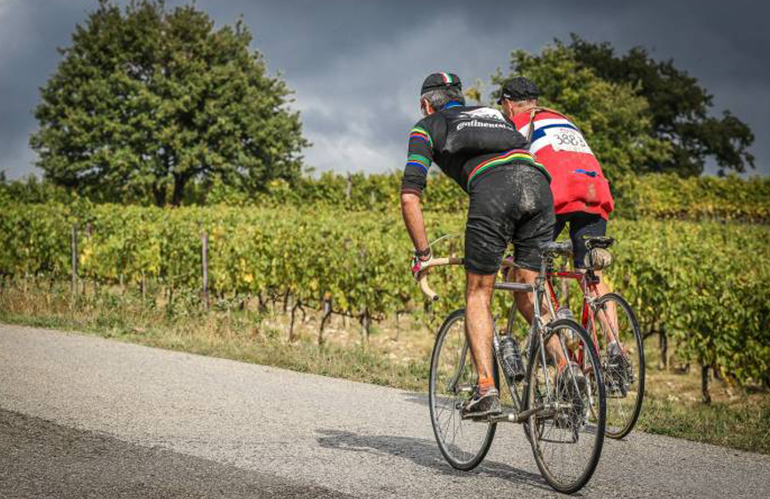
<point x="581" y="193"/>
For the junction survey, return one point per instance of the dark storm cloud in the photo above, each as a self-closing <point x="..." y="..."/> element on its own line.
<point x="356" y="66"/>
<point x="29" y="34"/>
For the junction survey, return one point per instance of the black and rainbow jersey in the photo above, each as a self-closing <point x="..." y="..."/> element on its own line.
<point x="465" y="142"/>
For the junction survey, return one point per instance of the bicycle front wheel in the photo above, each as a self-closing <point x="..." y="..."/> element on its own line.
<point x="453" y="379"/>
<point x="624" y="374"/>
<point x="566" y="428"/>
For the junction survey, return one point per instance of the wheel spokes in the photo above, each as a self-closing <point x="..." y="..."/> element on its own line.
<point x="453" y="381"/>
<point x="623" y="375"/>
<point x="564" y="435"/>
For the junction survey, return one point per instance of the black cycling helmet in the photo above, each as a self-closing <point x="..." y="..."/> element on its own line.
<point x="518" y="89"/>
<point x="440" y="80"/>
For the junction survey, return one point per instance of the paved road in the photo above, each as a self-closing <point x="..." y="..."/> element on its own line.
<point x="87" y="417"/>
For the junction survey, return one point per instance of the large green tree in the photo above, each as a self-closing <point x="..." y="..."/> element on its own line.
<point x="679" y="108"/>
<point x="614" y="119"/>
<point x="148" y="100"/>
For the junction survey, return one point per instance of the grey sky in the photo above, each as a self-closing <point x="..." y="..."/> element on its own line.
<point x="357" y="66"/>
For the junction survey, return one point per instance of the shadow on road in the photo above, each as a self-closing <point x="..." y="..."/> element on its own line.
<point x="424" y="453"/>
<point x="417" y="398"/>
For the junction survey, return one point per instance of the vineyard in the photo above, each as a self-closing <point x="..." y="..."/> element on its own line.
<point x="705" y="285"/>
<point x="656" y="196"/>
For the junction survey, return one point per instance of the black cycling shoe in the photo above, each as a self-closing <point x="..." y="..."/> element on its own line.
<point x="620" y="375"/>
<point x="571" y="389"/>
<point x="614" y="354"/>
<point x="481" y="406"/>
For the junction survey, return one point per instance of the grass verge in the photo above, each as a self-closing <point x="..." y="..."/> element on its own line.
<point x="396" y="355"/>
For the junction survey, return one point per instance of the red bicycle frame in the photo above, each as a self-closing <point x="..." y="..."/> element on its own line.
<point x="587" y="282"/>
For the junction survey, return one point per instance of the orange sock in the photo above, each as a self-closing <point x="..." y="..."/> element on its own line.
<point x="485" y="383"/>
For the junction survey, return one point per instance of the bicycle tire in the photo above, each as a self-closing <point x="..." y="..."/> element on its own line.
<point x="541" y="426"/>
<point x="484" y="433"/>
<point x="628" y="419"/>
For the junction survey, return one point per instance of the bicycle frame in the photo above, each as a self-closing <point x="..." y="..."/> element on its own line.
<point x="540" y="291"/>
<point x="587" y="281"/>
<point x="539" y="328"/>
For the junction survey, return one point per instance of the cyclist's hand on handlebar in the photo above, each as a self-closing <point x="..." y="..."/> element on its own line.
<point x="420" y="261"/>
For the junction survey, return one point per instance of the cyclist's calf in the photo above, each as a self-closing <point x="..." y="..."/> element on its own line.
<point x="478" y="320"/>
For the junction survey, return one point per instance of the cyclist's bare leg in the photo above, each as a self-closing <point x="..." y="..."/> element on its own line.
<point x="478" y="320"/>
<point x="525" y="302"/>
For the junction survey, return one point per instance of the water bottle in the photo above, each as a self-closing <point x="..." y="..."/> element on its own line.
<point x="564" y="313"/>
<point x="571" y="339"/>
<point x="511" y="358"/>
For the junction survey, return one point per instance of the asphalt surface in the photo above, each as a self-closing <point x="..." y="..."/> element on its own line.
<point x="43" y="459"/>
<point x="87" y="417"/>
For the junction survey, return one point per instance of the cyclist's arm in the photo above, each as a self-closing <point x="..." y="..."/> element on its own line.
<point x="419" y="159"/>
<point x="410" y="208"/>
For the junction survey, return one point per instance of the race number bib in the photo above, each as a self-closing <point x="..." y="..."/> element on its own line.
<point x="567" y="139"/>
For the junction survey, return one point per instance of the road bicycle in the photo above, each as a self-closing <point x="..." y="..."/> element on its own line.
<point x="563" y="414"/>
<point x="604" y="317"/>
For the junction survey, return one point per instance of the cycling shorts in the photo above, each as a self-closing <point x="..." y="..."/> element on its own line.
<point x="580" y="224"/>
<point x="509" y="204"/>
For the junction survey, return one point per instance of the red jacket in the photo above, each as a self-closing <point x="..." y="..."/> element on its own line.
<point x="578" y="183"/>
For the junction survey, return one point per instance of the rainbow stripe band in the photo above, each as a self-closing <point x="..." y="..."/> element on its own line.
<point x="419" y="160"/>
<point x="515" y="155"/>
<point x="419" y="133"/>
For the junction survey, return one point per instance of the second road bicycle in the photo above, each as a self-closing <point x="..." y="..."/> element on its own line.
<point x="606" y="317"/>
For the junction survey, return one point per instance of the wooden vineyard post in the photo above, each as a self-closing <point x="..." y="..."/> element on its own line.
<point x="297" y="304"/>
<point x="663" y="342"/>
<point x="87" y="233"/>
<point x="327" y="313"/>
<point x="366" y="323"/>
<point x="348" y="188"/>
<point x="205" y="265"/>
<point x="398" y="325"/>
<point x="74" y="260"/>
<point x="704" y="384"/>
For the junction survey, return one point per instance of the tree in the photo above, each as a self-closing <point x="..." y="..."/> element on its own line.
<point x="612" y="117"/>
<point x="679" y="109"/>
<point x="147" y="101"/>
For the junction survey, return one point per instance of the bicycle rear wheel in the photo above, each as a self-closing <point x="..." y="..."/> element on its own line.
<point x="453" y="378"/>
<point x="567" y="430"/>
<point x="624" y="381"/>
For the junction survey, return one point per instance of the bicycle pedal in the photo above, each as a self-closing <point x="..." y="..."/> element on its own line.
<point x="466" y="388"/>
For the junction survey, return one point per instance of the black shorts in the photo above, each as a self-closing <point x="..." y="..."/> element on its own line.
<point x="511" y="203"/>
<point x="580" y="224"/>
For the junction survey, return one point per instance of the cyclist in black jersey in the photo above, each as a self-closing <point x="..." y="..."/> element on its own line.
<point x="510" y="201"/>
